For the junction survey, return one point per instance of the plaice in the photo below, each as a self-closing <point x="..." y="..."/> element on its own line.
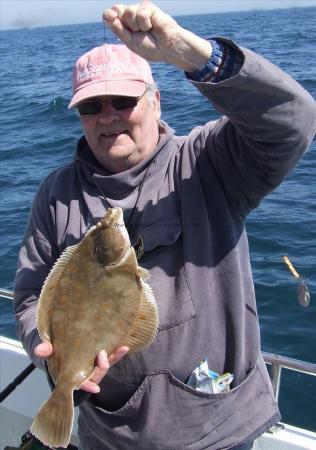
<point x="95" y="297"/>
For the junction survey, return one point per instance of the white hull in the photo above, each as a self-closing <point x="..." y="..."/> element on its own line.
<point x="18" y="410"/>
<point x="20" y="407"/>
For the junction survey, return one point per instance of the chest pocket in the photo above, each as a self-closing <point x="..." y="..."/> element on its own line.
<point x="163" y="257"/>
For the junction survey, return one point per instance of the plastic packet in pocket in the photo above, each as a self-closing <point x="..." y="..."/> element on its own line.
<point x="205" y="380"/>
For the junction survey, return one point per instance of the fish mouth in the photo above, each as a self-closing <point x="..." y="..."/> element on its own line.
<point x="114" y="218"/>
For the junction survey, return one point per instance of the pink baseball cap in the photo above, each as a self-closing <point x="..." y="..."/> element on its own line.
<point x="110" y="69"/>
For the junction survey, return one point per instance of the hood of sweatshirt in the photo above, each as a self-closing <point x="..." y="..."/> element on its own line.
<point x="118" y="185"/>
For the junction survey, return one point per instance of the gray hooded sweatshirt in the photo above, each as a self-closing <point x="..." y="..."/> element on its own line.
<point x="191" y="212"/>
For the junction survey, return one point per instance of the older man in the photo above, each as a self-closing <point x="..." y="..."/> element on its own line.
<point x="185" y="200"/>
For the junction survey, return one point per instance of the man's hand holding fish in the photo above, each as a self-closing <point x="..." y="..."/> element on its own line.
<point x="102" y="364"/>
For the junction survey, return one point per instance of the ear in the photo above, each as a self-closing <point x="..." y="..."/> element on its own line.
<point x="157" y="105"/>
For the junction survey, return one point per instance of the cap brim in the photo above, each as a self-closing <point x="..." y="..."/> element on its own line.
<point x="129" y="88"/>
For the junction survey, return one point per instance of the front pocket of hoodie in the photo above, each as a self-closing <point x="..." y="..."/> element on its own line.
<point x="164" y="258"/>
<point x="166" y="414"/>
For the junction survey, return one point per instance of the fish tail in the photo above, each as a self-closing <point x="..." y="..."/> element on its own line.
<point x="53" y="423"/>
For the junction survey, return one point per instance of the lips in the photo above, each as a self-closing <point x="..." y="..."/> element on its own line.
<point x="112" y="134"/>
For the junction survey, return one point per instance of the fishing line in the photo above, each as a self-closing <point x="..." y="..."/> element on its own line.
<point x="104" y="31"/>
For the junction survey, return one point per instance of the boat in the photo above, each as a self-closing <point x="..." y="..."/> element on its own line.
<point x="18" y="409"/>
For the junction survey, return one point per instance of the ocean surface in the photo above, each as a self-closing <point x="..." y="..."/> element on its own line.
<point x="38" y="133"/>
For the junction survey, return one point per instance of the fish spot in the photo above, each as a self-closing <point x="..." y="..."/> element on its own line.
<point x="63" y="299"/>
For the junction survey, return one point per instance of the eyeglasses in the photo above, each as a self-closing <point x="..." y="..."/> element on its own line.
<point x="119" y="103"/>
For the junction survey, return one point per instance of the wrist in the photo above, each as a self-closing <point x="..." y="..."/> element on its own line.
<point x="192" y="51"/>
<point x="224" y="63"/>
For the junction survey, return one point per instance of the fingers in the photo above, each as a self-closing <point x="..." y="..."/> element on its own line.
<point x="117" y="355"/>
<point x="145" y="29"/>
<point x="43" y="350"/>
<point x="115" y="12"/>
<point x="91" y="387"/>
<point x="129" y="17"/>
<point x="101" y="368"/>
<point x="120" y="31"/>
<point x="112" y="17"/>
<point x="136" y="17"/>
<point x="103" y="363"/>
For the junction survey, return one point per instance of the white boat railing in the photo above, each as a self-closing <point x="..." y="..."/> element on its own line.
<point x="6" y="294"/>
<point x="277" y="362"/>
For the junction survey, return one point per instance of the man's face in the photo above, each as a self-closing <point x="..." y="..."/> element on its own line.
<point x="121" y="139"/>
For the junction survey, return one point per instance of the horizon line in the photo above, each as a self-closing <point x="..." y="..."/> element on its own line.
<point x="257" y="9"/>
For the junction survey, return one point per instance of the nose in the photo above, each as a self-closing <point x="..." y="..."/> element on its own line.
<point x="108" y="113"/>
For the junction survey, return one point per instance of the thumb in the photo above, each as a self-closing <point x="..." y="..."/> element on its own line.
<point x="43" y="350"/>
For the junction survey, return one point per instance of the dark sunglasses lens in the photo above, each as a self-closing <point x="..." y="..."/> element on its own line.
<point x="92" y="108"/>
<point x="89" y="108"/>
<point x="121" y="103"/>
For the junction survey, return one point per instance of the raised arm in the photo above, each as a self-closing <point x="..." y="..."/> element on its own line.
<point x="268" y="119"/>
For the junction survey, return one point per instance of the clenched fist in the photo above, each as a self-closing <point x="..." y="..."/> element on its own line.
<point x="156" y="36"/>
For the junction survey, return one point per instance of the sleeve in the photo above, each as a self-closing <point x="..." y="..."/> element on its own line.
<point x="268" y="123"/>
<point x="225" y="62"/>
<point x="36" y="257"/>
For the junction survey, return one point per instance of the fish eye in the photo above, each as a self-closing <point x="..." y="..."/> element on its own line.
<point x="102" y="254"/>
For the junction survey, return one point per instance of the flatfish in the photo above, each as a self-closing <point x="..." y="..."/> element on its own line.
<point x="95" y="297"/>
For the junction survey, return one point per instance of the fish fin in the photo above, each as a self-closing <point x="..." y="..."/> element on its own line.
<point x="48" y="292"/>
<point x="145" y="327"/>
<point x="53" y="423"/>
<point x="129" y="261"/>
<point x="143" y="273"/>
